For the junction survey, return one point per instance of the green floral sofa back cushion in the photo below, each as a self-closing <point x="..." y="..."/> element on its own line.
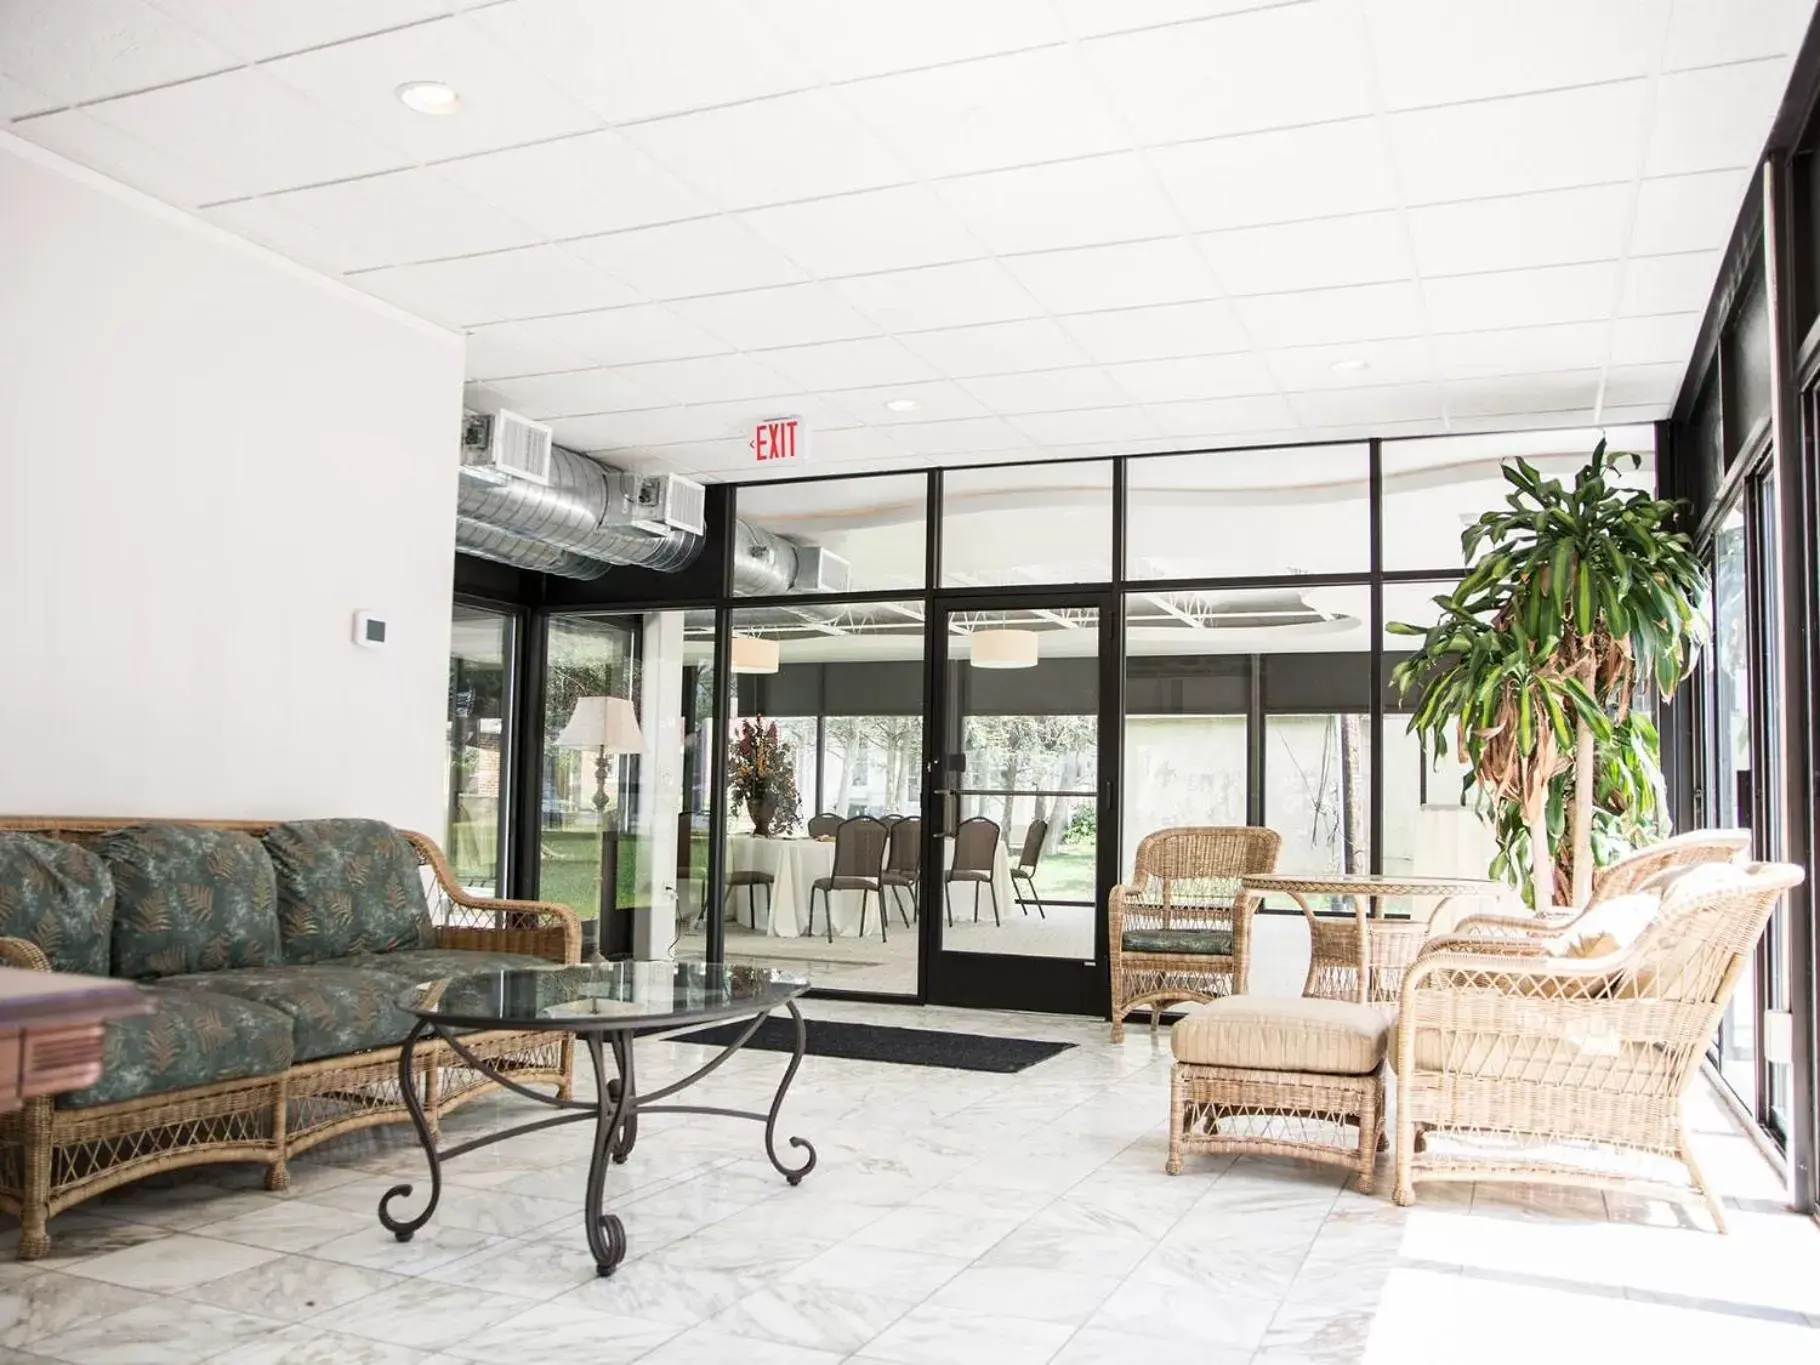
<point x="58" y="896"/>
<point x="346" y="887"/>
<point x="189" y="899"/>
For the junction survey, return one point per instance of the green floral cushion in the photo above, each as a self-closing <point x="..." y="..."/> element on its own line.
<point x="432" y="964"/>
<point x="1196" y="942"/>
<point x="191" y="1037"/>
<point x="188" y="899"/>
<point x="347" y="887"/>
<point x="58" y="896"/>
<point x="334" y="1008"/>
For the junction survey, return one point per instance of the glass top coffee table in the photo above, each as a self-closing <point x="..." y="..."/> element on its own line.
<point x="605" y="1005"/>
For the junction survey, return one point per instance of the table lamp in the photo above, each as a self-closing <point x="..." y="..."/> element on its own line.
<point x="608" y="725"/>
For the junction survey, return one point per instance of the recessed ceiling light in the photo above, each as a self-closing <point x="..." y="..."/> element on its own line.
<point x="903" y="405"/>
<point x="429" y="97"/>
<point x="1350" y="366"/>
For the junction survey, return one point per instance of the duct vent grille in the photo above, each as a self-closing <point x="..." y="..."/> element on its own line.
<point x="504" y="444"/>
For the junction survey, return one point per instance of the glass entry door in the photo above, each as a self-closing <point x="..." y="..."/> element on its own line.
<point x="1020" y="853"/>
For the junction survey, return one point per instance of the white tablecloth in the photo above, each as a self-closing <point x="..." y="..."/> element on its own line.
<point x="796" y="864"/>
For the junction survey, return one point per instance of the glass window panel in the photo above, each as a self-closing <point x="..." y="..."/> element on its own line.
<point x="627" y="698"/>
<point x="830" y="536"/>
<point x="1731" y="801"/>
<point x="477" y="746"/>
<point x="1434" y="489"/>
<point x="1043" y="523"/>
<point x="846" y="698"/>
<point x="1249" y="513"/>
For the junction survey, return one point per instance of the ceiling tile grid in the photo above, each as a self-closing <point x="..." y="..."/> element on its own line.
<point x="958" y="230"/>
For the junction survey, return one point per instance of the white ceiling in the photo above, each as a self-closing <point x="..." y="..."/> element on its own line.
<point x="1063" y="227"/>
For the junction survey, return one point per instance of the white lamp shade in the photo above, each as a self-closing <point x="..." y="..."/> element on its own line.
<point x="607" y="723"/>
<point x="753" y="655"/>
<point x="1002" y="648"/>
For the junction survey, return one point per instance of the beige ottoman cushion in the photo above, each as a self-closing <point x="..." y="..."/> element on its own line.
<point x="1276" y="1033"/>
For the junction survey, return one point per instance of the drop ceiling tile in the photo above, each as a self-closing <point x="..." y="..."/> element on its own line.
<point x="965" y="436"/>
<point x="1240" y="73"/>
<point x="866" y="233"/>
<point x="1220" y="419"/>
<point x="17" y="98"/>
<point x="1668" y="284"/>
<point x="844" y="41"/>
<point x="1092" y="426"/>
<point x="85" y="139"/>
<point x="76" y="52"/>
<point x="1522" y="298"/>
<point x="936" y="401"/>
<point x="984" y="115"/>
<point x="623" y="336"/>
<point x="1524" y="350"/>
<point x="1317" y="253"/>
<point x="1687" y="212"/>
<point x="1408" y="360"/>
<point x="1279" y="176"/>
<point x="1667" y="338"/>
<point x="1364" y="312"/>
<point x="1133" y="275"/>
<point x="940" y="296"/>
<point x="574" y="393"/>
<point x="800" y="146"/>
<point x="257" y="29"/>
<point x="1374" y="407"/>
<point x="1640" y="385"/>
<point x="636" y="60"/>
<point x="1193" y="377"/>
<point x="997" y="348"/>
<point x="1523" y="421"/>
<point x="676" y="260"/>
<point x="707" y="379"/>
<point x="597" y="182"/>
<point x="1063" y="204"/>
<point x="505" y="350"/>
<point x="1046" y="390"/>
<point x="526" y="282"/>
<point x="504" y="101"/>
<point x="1542" y="141"/>
<point x="396" y="218"/>
<point x="710" y="422"/>
<point x="1619" y="415"/>
<point x="857" y="445"/>
<point x="1708" y="32"/>
<point x="1570" y="391"/>
<point x="1088" y="18"/>
<point x="1432" y="52"/>
<point x="850" y="364"/>
<point x="1560" y="227"/>
<point x="1713" y="119"/>
<point x="250" y="131"/>
<point x="788" y="315"/>
<point x="1157" y="333"/>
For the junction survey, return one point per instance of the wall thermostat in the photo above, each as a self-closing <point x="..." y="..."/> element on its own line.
<point x="370" y="630"/>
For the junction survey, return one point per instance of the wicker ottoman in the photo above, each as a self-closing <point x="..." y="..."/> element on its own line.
<point x="1273" y="1076"/>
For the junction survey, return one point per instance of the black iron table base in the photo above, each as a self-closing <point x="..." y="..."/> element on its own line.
<point x="615" y="1111"/>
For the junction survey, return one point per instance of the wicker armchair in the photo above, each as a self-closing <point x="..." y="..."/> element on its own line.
<point x="1180" y="930"/>
<point x="1523" y="1067"/>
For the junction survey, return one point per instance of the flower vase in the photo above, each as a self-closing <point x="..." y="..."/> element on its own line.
<point x="763" y="810"/>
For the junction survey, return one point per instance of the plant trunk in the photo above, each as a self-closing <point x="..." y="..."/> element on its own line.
<point x="1541" y="858"/>
<point x="1583" y="815"/>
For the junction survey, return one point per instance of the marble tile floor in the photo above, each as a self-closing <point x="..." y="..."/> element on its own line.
<point x="953" y="1218"/>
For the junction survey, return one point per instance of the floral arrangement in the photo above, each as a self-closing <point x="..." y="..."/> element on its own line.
<point x="762" y="773"/>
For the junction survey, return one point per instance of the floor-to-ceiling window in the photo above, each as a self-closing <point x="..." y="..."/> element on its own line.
<point x="476" y="771"/>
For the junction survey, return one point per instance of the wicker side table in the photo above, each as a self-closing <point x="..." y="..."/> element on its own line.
<point x="1363" y="959"/>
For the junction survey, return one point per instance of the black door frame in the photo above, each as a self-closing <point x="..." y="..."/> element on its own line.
<point x="1007" y="980"/>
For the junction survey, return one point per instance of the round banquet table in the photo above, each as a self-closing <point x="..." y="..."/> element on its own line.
<point x="795" y="865"/>
<point x="1363" y="959"/>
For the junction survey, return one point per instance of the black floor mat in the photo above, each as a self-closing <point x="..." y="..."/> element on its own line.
<point x="878" y="1043"/>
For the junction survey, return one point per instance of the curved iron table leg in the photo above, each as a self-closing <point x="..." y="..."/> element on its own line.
<point x="796" y="1174"/>
<point x="625" y="1091"/>
<point x="606" y="1234"/>
<point x="405" y="1229"/>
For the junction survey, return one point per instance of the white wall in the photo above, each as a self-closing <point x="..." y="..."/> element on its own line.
<point x="209" y="459"/>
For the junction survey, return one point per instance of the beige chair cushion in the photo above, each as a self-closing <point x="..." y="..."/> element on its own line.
<point x="1610" y="927"/>
<point x="1276" y="1033"/>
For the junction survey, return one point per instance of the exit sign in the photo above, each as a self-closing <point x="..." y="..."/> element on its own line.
<point x="780" y="440"/>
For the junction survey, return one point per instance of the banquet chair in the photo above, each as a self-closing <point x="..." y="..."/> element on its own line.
<point x="751" y="878"/>
<point x="1025" y="871"/>
<point x="820" y="826"/>
<point x="904" y="862"/>
<point x="975" y="848"/>
<point x="859" y="856"/>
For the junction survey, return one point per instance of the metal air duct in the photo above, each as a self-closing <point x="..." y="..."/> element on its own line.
<point x="484" y="542"/>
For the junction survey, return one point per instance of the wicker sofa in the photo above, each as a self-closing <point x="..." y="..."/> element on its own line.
<point x="273" y="955"/>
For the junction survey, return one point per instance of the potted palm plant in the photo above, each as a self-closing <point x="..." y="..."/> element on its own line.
<point x="1579" y="603"/>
